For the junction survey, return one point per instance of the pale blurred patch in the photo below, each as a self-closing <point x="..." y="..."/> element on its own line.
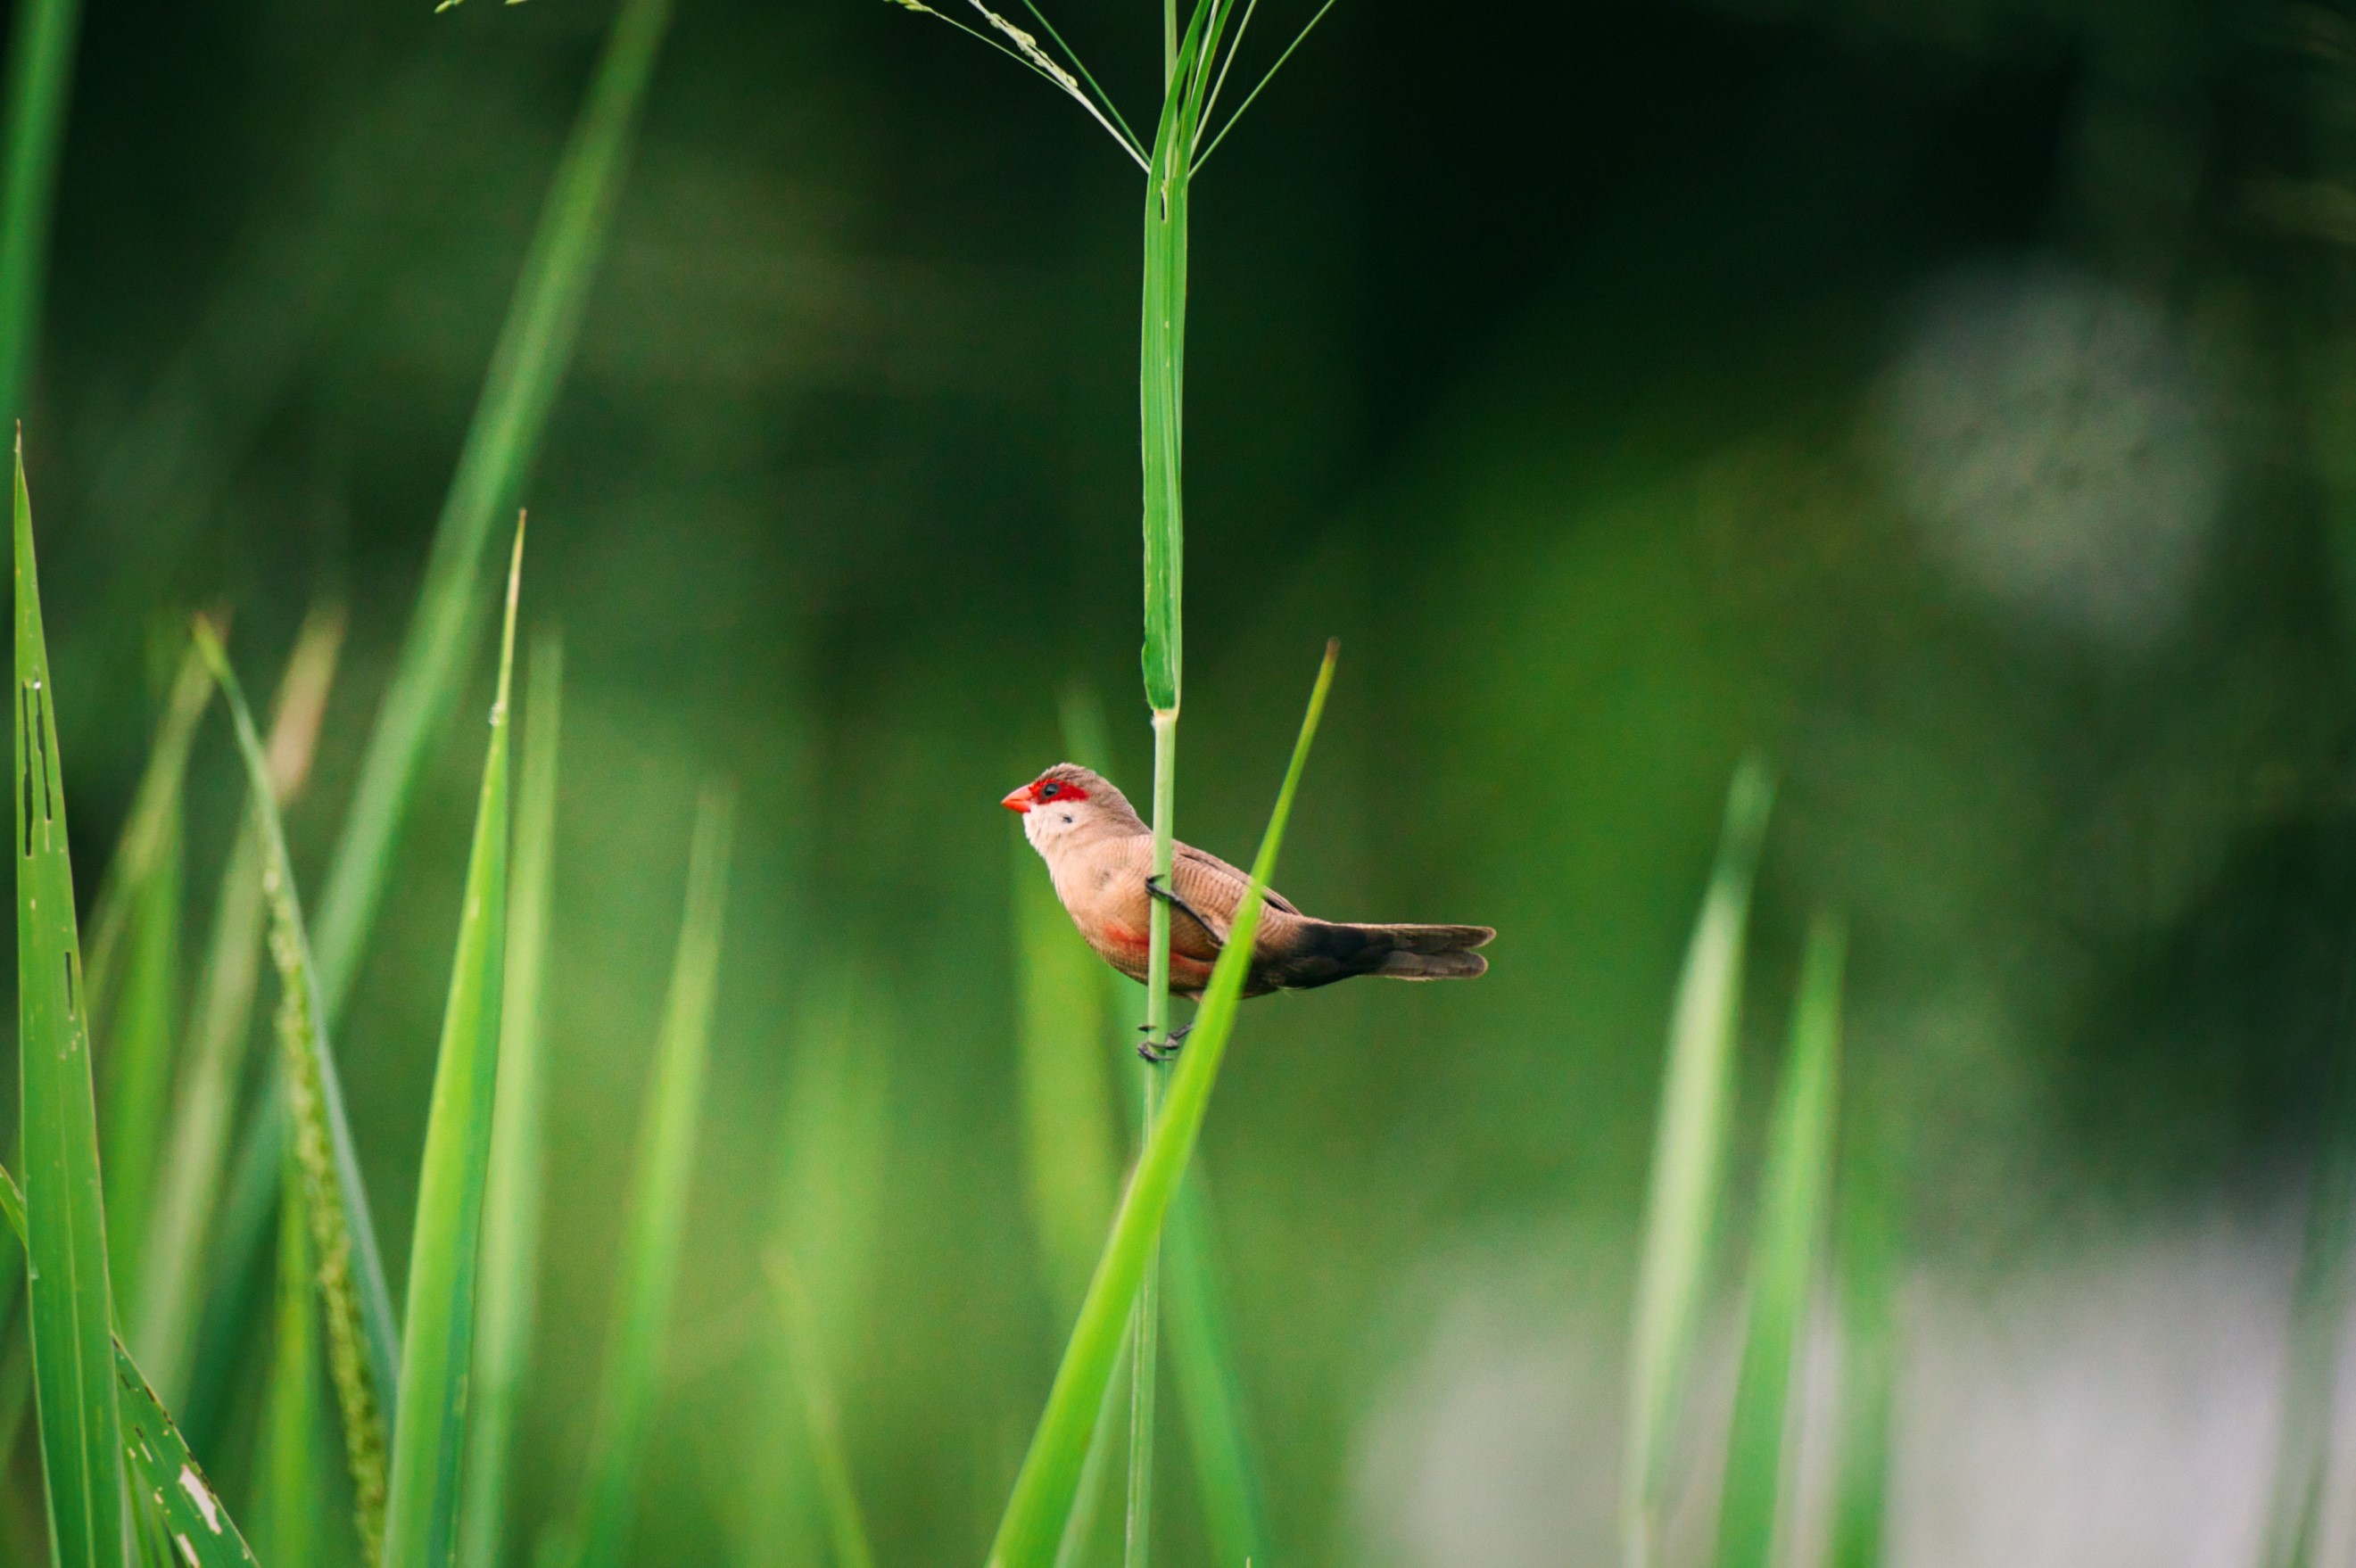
<point x="2050" y="435"/>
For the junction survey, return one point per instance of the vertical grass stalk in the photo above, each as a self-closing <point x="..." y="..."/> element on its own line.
<point x="658" y="1191"/>
<point x="1784" y="1260"/>
<point x="1866" y="1256"/>
<point x="429" y="1434"/>
<point x="65" y="1218"/>
<point x="846" y="1525"/>
<point x="512" y="1200"/>
<point x="1688" y="1154"/>
<point x="1037" y="1513"/>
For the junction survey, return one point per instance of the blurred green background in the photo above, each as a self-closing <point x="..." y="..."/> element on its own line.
<point x="1947" y="399"/>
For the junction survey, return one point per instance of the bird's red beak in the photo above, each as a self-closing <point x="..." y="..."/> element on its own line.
<point x="1020" y="801"/>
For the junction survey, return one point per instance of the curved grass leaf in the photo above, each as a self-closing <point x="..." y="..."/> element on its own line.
<point x="165" y="1320"/>
<point x="363" y="1346"/>
<point x="1784" y="1259"/>
<point x="1035" y="1515"/>
<point x="658" y="1186"/>
<point x="65" y="1220"/>
<point x="526" y="368"/>
<point x="429" y="1435"/>
<point x="512" y="1200"/>
<point x="200" y="1528"/>
<point x="1688" y="1154"/>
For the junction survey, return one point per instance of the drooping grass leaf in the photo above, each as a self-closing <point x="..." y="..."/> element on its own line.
<point x="363" y="1345"/>
<point x="1035" y="1514"/>
<point x="1210" y="1390"/>
<point x="41" y="79"/>
<point x="1688" y="1154"/>
<point x="527" y="369"/>
<point x="294" y="1508"/>
<point x="200" y="1530"/>
<point x="65" y="1220"/>
<point x="512" y="1200"/>
<point x="1070" y="1164"/>
<point x="165" y="1320"/>
<point x="429" y="1434"/>
<point x="822" y="1420"/>
<point x="1867" y="1259"/>
<point x="658" y="1188"/>
<point x="1784" y="1259"/>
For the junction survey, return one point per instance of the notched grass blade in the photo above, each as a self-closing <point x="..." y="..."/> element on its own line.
<point x="1035" y="1515"/>
<point x="200" y="1526"/>
<point x="1688" y="1155"/>
<point x="429" y="1441"/>
<point x="72" y="1307"/>
<point x="363" y="1346"/>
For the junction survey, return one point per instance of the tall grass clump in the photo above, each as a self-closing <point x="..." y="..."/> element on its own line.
<point x="1195" y="62"/>
<point x="1688" y="1155"/>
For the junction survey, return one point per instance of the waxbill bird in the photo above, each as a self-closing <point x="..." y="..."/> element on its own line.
<point x="1100" y="854"/>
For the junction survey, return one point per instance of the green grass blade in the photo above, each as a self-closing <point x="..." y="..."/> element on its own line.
<point x="1210" y="1390"/>
<point x="72" y="1307"/>
<point x="201" y="1529"/>
<point x="290" y="1472"/>
<point x="1784" y="1259"/>
<point x="512" y="1200"/>
<point x="839" y="1498"/>
<point x="1688" y="1153"/>
<point x="658" y="1188"/>
<point x="1071" y="1161"/>
<point x="1867" y="1257"/>
<point x="363" y="1345"/>
<point x="136" y="1032"/>
<point x="41" y="79"/>
<point x="163" y="1322"/>
<point x="1035" y="1514"/>
<point x="527" y="369"/>
<point x="429" y="1434"/>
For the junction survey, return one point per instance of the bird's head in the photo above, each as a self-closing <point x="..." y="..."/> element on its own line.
<point x="1065" y="800"/>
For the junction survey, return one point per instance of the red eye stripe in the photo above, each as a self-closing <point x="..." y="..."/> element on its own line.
<point x="1057" y="789"/>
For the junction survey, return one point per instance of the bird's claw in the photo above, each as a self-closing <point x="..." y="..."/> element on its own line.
<point x="1162" y="1051"/>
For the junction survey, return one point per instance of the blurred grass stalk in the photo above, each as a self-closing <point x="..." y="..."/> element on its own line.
<point x="1040" y="1505"/>
<point x="40" y="80"/>
<point x="659" y="1192"/>
<point x="1688" y="1159"/>
<point x="165" y="1320"/>
<point x="512" y="1201"/>
<point x="293" y="1508"/>
<point x="1784" y="1251"/>
<point x="72" y="1310"/>
<point x="1867" y="1260"/>
<point x="821" y="1418"/>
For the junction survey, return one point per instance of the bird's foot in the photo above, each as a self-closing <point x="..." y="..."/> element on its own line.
<point x="1156" y="888"/>
<point x="1163" y="1050"/>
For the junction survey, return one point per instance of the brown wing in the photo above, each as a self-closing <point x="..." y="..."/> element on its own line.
<point x="1214" y="891"/>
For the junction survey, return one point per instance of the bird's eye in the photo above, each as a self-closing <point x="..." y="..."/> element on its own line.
<point x="1049" y="792"/>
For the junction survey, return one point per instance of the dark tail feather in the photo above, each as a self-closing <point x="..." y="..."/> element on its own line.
<point x="1327" y="952"/>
